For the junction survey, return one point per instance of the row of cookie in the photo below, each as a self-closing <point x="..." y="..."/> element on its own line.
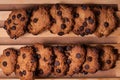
<point x="42" y="60"/>
<point x="61" y="19"/>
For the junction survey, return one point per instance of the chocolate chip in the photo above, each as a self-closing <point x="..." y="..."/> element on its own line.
<point x="63" y="26"/>
<point x="76" y="15"/>
<point x="78" y="55"/>
<point x="40" y="71"/>
<point x="84" y="7"/>
<point x="59" y="13"/>
<point x="65" y="20"/>
<point x="90" y="20"/>
<point x="24" y="72"/>
<point x="9" y="21"/>
<point x="86" y="66"/>
<point x="44" y="59"/>
<point x="4" y="63"/>
<point x="23" y="18"/>
<point x="84" y="24"/>
<point x="5" y="27"/>
<point x="87" y="31"/>
<point x="89" y="58"/>
<point x="53" y="20"/>
<point x="60" y="48"/>
<point x="106" y="24"/>
<point x="20" y="73"/>
<point x="68" y="61"/>
<point x="61" y="33"/>
<point x="35" y="20"/>
<point x="57" y="6"/>
<point x="17" y="66"/>
<point x="108" y="61"/>
<point x="57" y="63"/>
<point x="23" y="56"/>
<point x="19" y="15"/>
<point x="13" y="28"/>
<point x="7" y="53"/>
<point x="68" y="48"/>
<point x="39" y="56"/>
<point x="81" y="28"/>
<point x="58" y="70"/>
<point x="13" y="17"/>
<point x="97" y="13"/>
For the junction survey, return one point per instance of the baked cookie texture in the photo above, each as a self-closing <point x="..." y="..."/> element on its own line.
<point x="60" y="65"/>
<point x="40" y="20"/>
<point x="106" y="21"/>
<point x="16" y="23"/>
<point x="91" y="64"/>
<point x="26" y="63"/>
<point x="62" y="19"/>
<point x="45" y="58"/>
<point x="84" y="19"/>
<point x="8" y="61"/>
<point x="76" y="57"/>
<point x="108" y="57"/>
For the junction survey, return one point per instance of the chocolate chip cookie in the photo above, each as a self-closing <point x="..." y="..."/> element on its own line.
<point x="76" y="57"/>
<point x="108" y="57"/>
<point x="46" y="58"/>
<point x="26" y="63"/>
<point x="8" y="61"/>
<point x="62" y="19"/>
<point x="91" y="64"/>
<point x="84" y="21"/>
<point x="16" y="23"/>
<point x="40" y="21"/>
<point x="106" y="21"/>
<point x="60" y="65"/>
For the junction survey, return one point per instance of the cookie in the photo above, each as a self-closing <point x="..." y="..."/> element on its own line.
<point x="16" y="23"/>
<point x="26" y="63"/>
<point x="91" y="64"/>
<point x="60" y="65"/>
<point x="62" y="19"/>
<point x="106" y="21"/>
<point x="76" y="57"/>
<point x="85" y="22"/>
<point x="40" y="21"/>
<point x="8" y="61"/>
<point x="45" y="56"/>
<point x="108" y="57"/>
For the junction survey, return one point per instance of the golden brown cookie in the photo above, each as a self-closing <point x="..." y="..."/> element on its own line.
<point x="26" y="63"/>
<point x="84" y="21"/>
<point x="62" y="19"/>
<point x="8" y="61"/>
<point x="76" y="57"/>
<point x="40" y="21"/>
<point x="106" y="21"/>
<point x="45" y="57"/>
<point x="16" y="23"/>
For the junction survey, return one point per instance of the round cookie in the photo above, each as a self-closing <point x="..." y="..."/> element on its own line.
<point x="16" y="23"/>
<point x="26" y="63"/>
<point x="76" y="57"/>
<point x="106" y="21"/>
<point x="60" y="65"/>
<point x="45" y="56"/>
<point x="40" y="21"/>
<point x="108" y="57"/>
<point x="91" y="64"/>
<point x="62" y="19"/>
<point x="84" y="21"/>
<point x="8" y="61"/>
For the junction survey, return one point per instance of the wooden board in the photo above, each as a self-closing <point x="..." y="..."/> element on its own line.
<point x="7" y="5"/>
<point x="106" y="74"/>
